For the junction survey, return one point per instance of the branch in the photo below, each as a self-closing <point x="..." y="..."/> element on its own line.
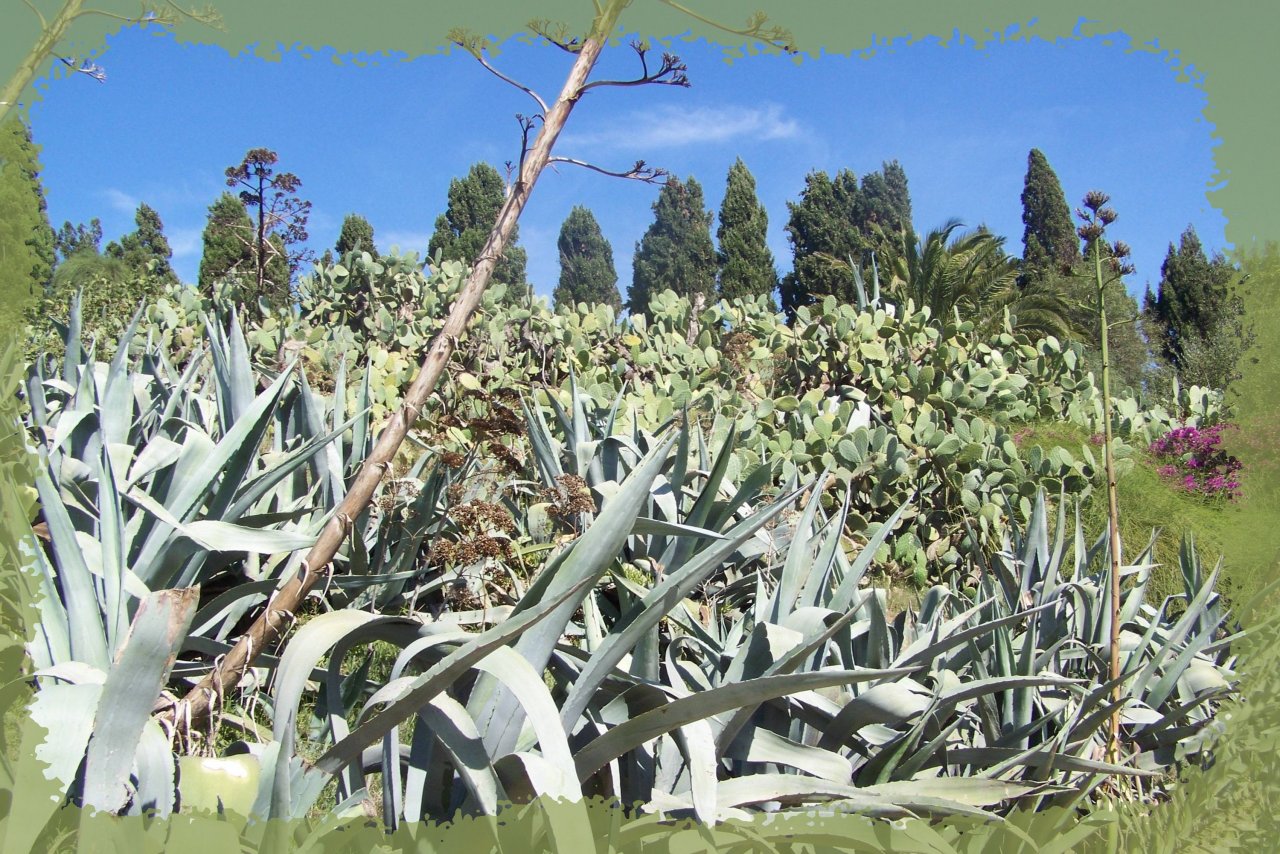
<point x="671" y="73"/>
<point x="639" y="172"/>
<point x="166" y="14"/>
<point x="557" y="34"/>
<point x="476" y="47"/>
<point x="44" y="25"/>
<point x="775" y="37"/>
<point x="86" y="67"/>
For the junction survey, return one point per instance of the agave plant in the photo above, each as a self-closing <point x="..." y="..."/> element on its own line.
<point x="157" y="488"/>
<point x="738" y="673"/>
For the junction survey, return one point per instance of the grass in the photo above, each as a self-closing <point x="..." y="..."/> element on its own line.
<point x="1146" y="502"/>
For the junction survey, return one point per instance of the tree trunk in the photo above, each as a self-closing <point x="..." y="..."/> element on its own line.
<point x="195" y="708"/>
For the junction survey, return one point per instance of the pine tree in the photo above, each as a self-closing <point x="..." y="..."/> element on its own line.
<point x="1049" y="241"/>
<point x="461" y="231"/>
<point x="746" y="264"/>
<point x="228" y="243"/>
<point x="356" y="236"/>
<point x="26" y="238"/>
<point x="676" y="251"/>
<point x="587" y="273"/>
<point x="146" y="250"/>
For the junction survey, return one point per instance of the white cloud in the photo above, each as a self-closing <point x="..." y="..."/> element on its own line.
<point x="408" y="241"/>
<point x="671" y="127"/>
<point x="121" y="201"/>
<point x="185" y="242"/>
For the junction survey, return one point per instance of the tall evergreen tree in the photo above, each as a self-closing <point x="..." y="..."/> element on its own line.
<point x="587" y="273"/>
<point x="76" y="239"/>
<point x="461" y="231"/>
<point x="825" y="237"/>
<point x="228" y="242"/>
<point x="746" y="264"/>
<point x="26" y="238"/>
<point x="146" y="251"/>
<point x="886" y="207"/>
<point x="356" y="236"/>
<point x="676" y="251"/>
<point x="1049" y="241"/>
<point x="1195" y="321"/>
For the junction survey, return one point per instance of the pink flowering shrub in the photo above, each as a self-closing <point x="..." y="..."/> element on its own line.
<point x="1195" y="456"/>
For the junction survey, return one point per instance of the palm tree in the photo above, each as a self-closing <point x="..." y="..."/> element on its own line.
<point x="973" y="276"/>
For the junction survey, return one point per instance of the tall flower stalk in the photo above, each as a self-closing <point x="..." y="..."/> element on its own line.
<point x="1095" y="218"/>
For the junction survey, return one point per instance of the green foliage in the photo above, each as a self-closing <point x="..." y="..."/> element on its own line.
<point x="746" y="264"/>
<point x="972" y="275"/>
<point x="145" y="251"/>
<point x="281" y="223"/>
<point x="76" y="239"/>
<point x="228" y="243"/>
<point x="837" y="218"/>
<point x="109" y="286"/>
<point x="1049" y="241"/>
<point x="1131" y="357"/>
<point x="26" y="238"/>
<point x="676" y="252"/>
<point x="1195" y="317"/>
<point x="356" y="236"/>
<point x="463" y="229"/>
<point x="586" y="263"/>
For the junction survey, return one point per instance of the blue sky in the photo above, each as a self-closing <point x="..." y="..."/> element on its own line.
<point x="384" y="140"/>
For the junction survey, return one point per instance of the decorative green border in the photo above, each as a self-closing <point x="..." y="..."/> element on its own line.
<point x="1232" y="805"/>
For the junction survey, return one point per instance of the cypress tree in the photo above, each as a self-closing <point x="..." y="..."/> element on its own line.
<point x="1049" y="241"/>
<point x="676" y="251"/>
<point x="461" y="231"/>
<point x="228" y="242"/>
<point x="824" y="234"/>
<point x="26" y="238"/>
<point x="886" y="207"/>
<point x="145" y="251"/>
<point x="746" y="264"/>
<point x="587" y="273"/>
<point x="1196" y="322"/>
<point x="356" y="236"/>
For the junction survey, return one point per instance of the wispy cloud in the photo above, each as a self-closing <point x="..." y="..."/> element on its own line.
<point x="668" y="127"/>
<point x="121" y="201"/>
<point x="407" y="240"/>
<point x="185" y="242"/>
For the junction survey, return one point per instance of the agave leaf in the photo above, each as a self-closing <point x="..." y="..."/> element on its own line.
<point x="439" y="677"/>
<point x="87" y="633"/>
<point x="130" y="691"/>
<point x="648" y="726"/>
<point x="156" y="771"/>
<point x="759" y="744"/>
<point x="213" y="477"/>
<point x="66" y="712"/>
<point x="793" y="789"/>
<point x="225" y="536"/>
<point x="842" y="598"/>
<point x="799" y="560"/>
<point x="661" y="600"/>
<point x="524" y="682"/>
<point x="585" y="561"/>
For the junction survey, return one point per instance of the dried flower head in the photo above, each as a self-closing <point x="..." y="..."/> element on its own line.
<point x="1090" y="232"/>
<point x="1095" y="199"/>
<point x="1107" y="215"/>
